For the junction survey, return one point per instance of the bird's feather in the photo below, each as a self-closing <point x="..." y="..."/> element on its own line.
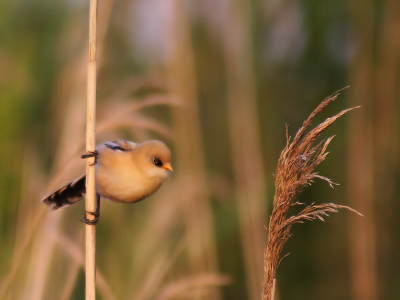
<point x="68" y="194"/>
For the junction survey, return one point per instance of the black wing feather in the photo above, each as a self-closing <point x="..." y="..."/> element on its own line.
<point x="68" y="194"/>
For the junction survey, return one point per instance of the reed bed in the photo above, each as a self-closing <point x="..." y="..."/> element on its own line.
<point x="214" y="80"/>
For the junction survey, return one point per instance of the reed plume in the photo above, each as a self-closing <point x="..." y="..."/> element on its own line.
<point x="295" y="170"/>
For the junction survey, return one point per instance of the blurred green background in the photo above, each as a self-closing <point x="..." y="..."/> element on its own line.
<point x="217" y="81"/>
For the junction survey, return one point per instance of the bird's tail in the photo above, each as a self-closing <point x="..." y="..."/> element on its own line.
<point x="68" y="194"/>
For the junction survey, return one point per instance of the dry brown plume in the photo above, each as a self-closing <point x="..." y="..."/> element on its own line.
<point x="295" y="170"/>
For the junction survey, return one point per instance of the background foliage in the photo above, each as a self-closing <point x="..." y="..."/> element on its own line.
<point x="217" y="81"/>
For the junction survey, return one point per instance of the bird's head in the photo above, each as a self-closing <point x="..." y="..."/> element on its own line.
<point x="156" y="158"/>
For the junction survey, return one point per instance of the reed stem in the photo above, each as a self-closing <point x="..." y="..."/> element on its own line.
<point x="90" y="146"/>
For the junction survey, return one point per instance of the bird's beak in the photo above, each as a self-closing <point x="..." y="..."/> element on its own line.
<point x="168" y="167"/>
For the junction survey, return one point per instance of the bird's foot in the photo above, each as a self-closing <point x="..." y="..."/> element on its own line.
<point x="94" y="154"/>
<point x="90" y="221"/>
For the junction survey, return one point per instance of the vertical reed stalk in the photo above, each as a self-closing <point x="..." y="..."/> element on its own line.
<point x="245" y="141"/>
<point x="189" y="148"/>
<point x="90" y="146"/>
<point x="385" y="133"/>
<point x="360" y="152"/>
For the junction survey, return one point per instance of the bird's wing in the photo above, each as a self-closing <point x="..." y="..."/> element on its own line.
<point x="125" y="144"/>
<point x="68" y="194"/>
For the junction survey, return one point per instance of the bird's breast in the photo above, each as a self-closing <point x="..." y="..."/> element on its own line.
<point x="125" y="184"/>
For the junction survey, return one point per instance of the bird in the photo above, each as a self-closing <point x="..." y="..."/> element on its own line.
<point x="126" y="172"/>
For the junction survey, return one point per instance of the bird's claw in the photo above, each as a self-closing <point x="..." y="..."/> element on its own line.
<point x="94" y="154"/>
<point x="89" y="221"/>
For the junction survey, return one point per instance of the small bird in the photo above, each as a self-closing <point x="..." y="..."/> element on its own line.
<point x="125" y="172"/>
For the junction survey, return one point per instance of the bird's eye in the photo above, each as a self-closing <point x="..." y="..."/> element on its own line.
<point x="157" y="162"/>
